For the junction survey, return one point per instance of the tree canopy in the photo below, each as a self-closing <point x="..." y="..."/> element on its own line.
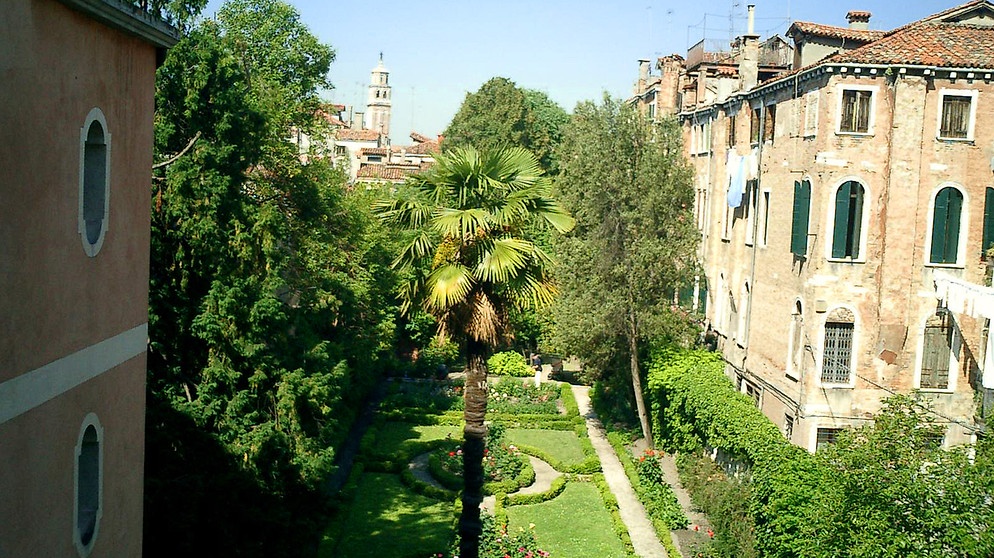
<point x="270" y="297"/>
<point x="502" y="114"/>
<point x="630" y="189"/>
<point x="469" y="263"/>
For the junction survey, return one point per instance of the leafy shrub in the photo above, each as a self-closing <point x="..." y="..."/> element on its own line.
<point x="497" y="542"/>
<point x="655" y="493"/>
<point x="509" y="363"/>
<point x="437" y="356"/>
<point x="511" y="395"/>
<point x="726" y="501"/>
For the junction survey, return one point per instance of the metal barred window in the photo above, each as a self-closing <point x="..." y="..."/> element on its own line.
<point x="837" y="354"/>
<point x="826" y="436"/>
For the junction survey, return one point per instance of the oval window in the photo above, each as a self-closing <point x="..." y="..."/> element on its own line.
<point x="89" y="481"/>
<point x="94" y="181"/>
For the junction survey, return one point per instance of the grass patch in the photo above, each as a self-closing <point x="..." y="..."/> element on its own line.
<point x="564" y="530"/>
<point x="394" y="436"/>
<point x="387" y="519"/>
<point x="564" y="446"/>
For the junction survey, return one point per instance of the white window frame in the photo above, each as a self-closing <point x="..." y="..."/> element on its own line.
<point x="955" y="348"/>
<point x="85" y="549"/>
<point x="964" y="227"/>
<point x="810" y="123"/>
<point x="795" y="329"/>
<point x="871" y="124"/>
<point x="943" y="93"/>
<point x="95" y="115"/>
<point x="853" y="352"/>
<point x="863" y="226"/>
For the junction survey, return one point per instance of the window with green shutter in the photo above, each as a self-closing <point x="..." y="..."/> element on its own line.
<point x="799" y="224"/>
<point x="848" y="220"/>
<point x="945" y="226"/>
<point x="935" y="353"/>
<point x="988" y="241"/>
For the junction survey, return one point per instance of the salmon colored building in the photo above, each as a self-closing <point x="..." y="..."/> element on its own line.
<point x="77" y="84"/>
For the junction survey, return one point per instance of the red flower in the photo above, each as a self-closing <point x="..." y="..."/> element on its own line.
<point x="452" y="454"/>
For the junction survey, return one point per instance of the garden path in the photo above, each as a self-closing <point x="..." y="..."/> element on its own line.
<point x="640" y="529"/>
<point x="686" y="540"/>
<point x="544" y="475"/>
<point x="419" y="468"/>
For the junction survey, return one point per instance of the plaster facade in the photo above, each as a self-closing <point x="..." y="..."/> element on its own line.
<point x="72" y="337"/>
<point x="781" y="300"/>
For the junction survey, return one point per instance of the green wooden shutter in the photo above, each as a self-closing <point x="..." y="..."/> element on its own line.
<point x="939" y="218"/>
<point x="988" y="222"/>
<point x="953" y="211"/>
<point x="856" y="220"/>
<point x="841" y="230"/>
<point x="799" y="225"/>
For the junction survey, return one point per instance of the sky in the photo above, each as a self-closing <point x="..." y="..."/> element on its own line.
<point x="437" y="51"/>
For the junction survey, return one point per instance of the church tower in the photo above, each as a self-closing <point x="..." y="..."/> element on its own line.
<point x="378" y="103"/>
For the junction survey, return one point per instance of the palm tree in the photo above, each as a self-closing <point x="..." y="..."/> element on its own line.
<point x="468" y="264"/>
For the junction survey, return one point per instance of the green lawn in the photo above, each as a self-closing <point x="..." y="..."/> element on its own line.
<point x="575" y="524"/>
<point x="388" y="519"/>
<point x="559" y="444"/>
<point x="397" y="435"/>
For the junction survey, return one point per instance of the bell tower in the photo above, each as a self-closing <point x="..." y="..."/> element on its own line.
<point x="379" y="99"/>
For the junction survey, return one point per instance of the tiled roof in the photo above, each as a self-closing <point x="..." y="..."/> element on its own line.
<point x="419" y="138"/>
<point x="358" y="135"/>
<point x="372" y="151"/>
<point x="424" y="148"/>
<point x="833" y="32"/>
<point x="949" y="45"/>
<point x="388" y="172"/>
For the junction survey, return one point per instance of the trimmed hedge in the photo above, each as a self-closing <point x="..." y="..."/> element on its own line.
<point x="558" y="485"/>
<point x="611" y="503"/>
<point x="696" y="407"/>
<point x="509" y="363"/>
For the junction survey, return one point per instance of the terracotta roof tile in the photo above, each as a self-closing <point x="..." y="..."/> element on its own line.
<point x="387" y="172"/>
<point x="950" y="45"/>
<point x="833" y="32"/>
<point x="424" y="148"/>
<point x="372" y="151"/>
<point x="358" y="135"/>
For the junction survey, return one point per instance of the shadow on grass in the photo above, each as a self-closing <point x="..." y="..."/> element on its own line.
<point x="387" y="519"/>
<point x="199" y="501"/>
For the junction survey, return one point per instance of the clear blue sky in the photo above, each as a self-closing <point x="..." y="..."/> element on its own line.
<point x="574" y="50"/>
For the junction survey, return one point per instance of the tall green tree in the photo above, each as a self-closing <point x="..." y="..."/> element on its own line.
<point x="469" y="264"/>
<point x="890" y="490"/>
<point x="270" y="295"/>
<point x="627" y="183"/>
<point x="500" y="113"/>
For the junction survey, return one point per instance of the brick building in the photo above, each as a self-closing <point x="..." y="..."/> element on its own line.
<point x="846" y="202"/>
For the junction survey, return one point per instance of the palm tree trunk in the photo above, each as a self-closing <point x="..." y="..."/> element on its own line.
<point x="633" y="348"/>
<point x="470" y="526"/>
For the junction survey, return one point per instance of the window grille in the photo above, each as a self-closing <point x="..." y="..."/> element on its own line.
<point x="837" y="354"/>
<point x="826" y="436"/>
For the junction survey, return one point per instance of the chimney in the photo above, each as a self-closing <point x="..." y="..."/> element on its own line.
<point x="643" y="77"/>
<point x="858" y="20"/>
<point x="749" y="60"/>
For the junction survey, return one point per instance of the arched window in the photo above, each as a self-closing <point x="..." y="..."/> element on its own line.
<point x="946" y="212"/>
<point x="94" y="181"/>
<point x="89" y="484"/>
<point x="848" y="220"/>
<point x="836" y="367"/>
